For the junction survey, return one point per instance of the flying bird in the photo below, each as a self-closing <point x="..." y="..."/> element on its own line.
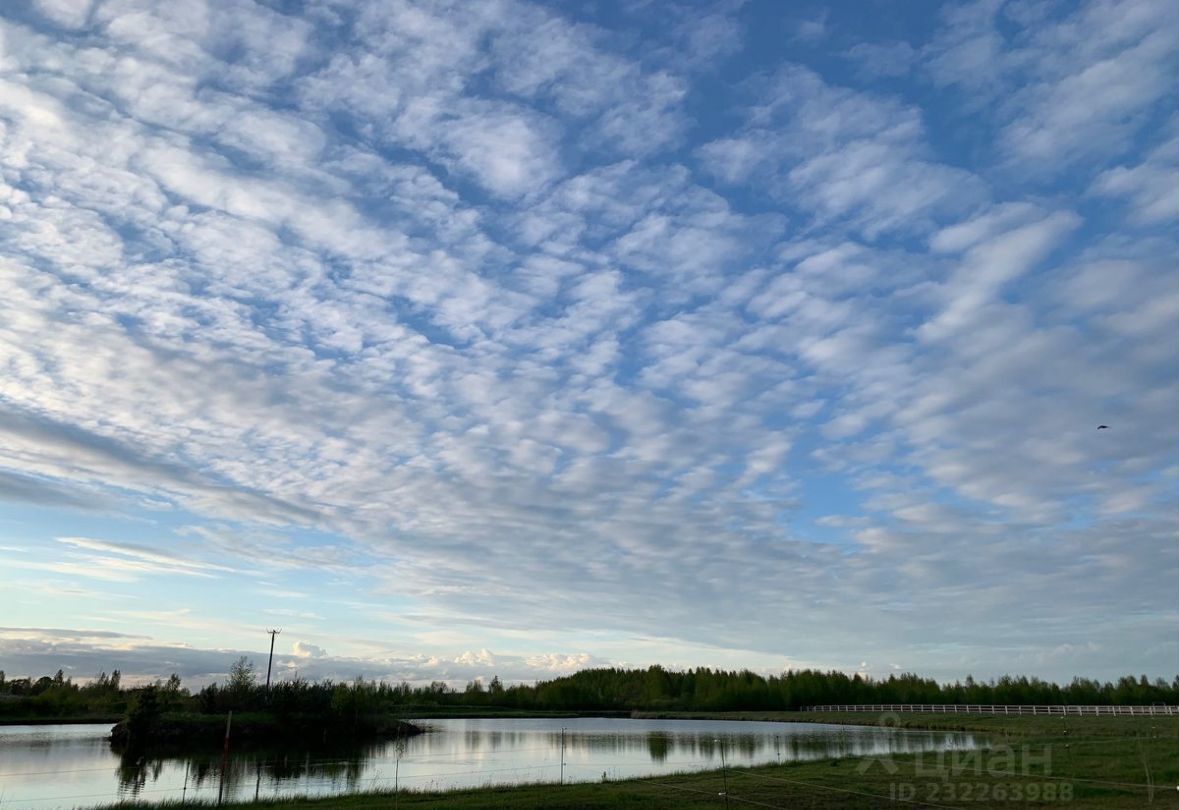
<point x="1103" y="427"/>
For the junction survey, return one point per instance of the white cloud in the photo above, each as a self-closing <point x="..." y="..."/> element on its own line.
<point x="841" y="155"/>
<point x="301" y="649"/>
<point x="66" y="13"/>
<point x="1151" y="188"/>
<point x="813" y="29"/>
<point x="992" y="263"/>
<point x="83" y="653"/>
<point x="1063" y="86"/>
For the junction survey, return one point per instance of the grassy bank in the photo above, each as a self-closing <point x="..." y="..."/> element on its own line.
<point x="1090" y="762"/>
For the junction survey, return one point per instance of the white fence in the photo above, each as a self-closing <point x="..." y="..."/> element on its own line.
<point x="974" y="708"/>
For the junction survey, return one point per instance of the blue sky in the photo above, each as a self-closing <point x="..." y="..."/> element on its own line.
<point x="464" y="339"/>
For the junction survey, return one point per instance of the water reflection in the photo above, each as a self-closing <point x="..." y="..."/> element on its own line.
<point x="455" y="753"/>
<point x="747" y="742"/>
<point x="266" y="771"/>
<point x="658" y="745"/>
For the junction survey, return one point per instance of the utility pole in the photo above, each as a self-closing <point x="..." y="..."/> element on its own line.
<point x="224" y="758"/>
<point x="272" y="633"/>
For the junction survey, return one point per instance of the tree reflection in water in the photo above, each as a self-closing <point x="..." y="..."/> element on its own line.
<point x="658" y="746"/>
<point x="273" y="766"/>
<point x="458" y="753"/>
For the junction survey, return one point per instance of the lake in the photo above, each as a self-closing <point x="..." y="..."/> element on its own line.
<point x="73" y="766"/>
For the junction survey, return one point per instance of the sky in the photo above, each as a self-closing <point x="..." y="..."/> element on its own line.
<point x="461" y="339"/>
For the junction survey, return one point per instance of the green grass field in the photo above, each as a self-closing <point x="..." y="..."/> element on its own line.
<point x="1078" y="762"/>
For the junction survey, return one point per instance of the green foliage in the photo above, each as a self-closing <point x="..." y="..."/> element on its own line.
<point x="59" y="697"/>
<point x="241" y="676"/>
<point x="145" y="712"/>
<point x="702" y="689"/>
<point x="593" y="690"/>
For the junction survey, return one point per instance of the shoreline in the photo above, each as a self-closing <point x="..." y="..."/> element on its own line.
<point x="171" y="731"/>
<point x="511" y="714"/>
<point x="1067" y="763"/>
<point x="915" y="721"/>
<point x="61" y="721"/>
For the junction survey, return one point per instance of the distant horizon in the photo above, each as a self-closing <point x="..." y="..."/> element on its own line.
<point x="285" y="671"/>
<point x="523" y="337"/>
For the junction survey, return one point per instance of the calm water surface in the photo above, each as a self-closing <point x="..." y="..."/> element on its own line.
<point x="73" y="766"/>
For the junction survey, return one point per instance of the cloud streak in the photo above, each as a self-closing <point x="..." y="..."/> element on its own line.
<point x="547" y="323"/>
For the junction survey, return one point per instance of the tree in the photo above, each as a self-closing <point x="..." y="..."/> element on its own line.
<point x="241" y="675"/>
<point x="145" y="711"/>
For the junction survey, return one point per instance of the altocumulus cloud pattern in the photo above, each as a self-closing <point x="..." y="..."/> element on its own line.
<point x="472" y="338"/>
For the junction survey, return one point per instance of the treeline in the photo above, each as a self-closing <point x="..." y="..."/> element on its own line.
<point x="324" y="712"/>
<point x="605" y="689"/>
<point x="658" y="689"/>
<point x="56" y="696"/>
<point x="331" y="701"/>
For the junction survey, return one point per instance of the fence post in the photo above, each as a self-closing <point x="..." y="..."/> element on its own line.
<point x="224" y="757"/>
